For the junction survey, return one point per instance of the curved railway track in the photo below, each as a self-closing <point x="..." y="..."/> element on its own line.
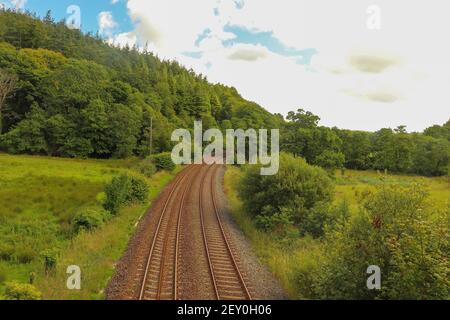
<point x="160" y="278"/>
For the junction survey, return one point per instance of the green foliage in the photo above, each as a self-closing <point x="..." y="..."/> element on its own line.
<point x="3" y="274"/>
<point x="330" y="160"/>
<point x="139" y="190"/>
<point x="146" y="167"/>
<point x="163" y="161"/>
<point x="124" y="190"/>
<point x="28" y="136"/>
<point x="89" y="218"/>
<point x="439" y="132"/>
<point x="431" y="157"/>
<point x="291" y="196"/>
<point x="397" y="231"/>
<point x="276" y="223"/>
<point x="50" y="258"/>
<point x="117" y="193"/>
<point x="20" y="291"/>
<point x="303" y="137"/>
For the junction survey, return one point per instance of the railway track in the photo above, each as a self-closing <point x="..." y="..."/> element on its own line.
<point x="226" y="277"/>
<point x="160" y="278"/>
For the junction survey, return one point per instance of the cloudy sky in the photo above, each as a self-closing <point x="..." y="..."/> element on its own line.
<point x="358" y="64"/>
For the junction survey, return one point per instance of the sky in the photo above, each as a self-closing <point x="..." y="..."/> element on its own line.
<point x="358" y="64"/>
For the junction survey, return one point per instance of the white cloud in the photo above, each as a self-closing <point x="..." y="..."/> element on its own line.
<point x="360" y="79"/>
<point x="124" y="39"/>
<point x="106" y="23"/>
<point x="246" y="52"/>
<point x="114" y="1"/>
<point x="18" y="4"/>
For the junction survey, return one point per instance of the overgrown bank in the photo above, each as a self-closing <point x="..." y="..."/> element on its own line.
<point x="53" y="216"/>
<point x="391" y="225"/>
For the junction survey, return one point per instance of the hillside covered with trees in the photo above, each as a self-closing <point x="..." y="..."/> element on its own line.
<point x="77" y="96"/>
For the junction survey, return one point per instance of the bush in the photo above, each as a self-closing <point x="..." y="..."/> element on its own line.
<point x="146" y="167"/>
<point x="315" y="220"/>
<point x="21" y="291"/>
<point x="290" y="194"/>
<point x="397" y="231"/>
<point x="276" y="223"/>
<point x="163" y="161"/>
<point x="50" y="258"/>
<point x="139" y="190"/>
<point x="89" y="218"/>
<point x="117" y="193"/>
<point x="124" y="190"/>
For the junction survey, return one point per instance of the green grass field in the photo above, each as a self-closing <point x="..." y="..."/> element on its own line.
<point x="38" y="199"/>
<point x="283" y="259"/>
<point x="350" y="184"/>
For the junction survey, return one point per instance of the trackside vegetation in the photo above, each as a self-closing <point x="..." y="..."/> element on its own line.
<point x="61" y="212"/>
<point x="320" y="246"/>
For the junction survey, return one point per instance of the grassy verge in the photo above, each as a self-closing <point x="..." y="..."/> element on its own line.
<point x="96" y="253"/>
<point x="38" y="199"/>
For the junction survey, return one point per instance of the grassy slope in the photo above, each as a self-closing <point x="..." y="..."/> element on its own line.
<point x="38" y="198"/>
<point x="282" y="260"/>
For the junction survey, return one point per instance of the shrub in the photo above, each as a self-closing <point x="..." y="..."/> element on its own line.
<point x="295" y="190"/>
<point x="21" y="291"/>
<point x="139" y="190"/>
<point x="163" y="161"/>
<point x="397" y="231"/>
<point x="124" y="190"/>
<point x="146" y="167"/>
<point x="315" y="220"/>
<point x="117" y="193"/>
<point x="275" y="223"/>
<point x="89" y="218"/>
<point x="50" y="258"/>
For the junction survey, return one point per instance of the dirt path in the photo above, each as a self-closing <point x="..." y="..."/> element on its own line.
<point x="188" y="247"/>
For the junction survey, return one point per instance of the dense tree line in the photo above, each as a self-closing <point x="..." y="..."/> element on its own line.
<point x="77" y="96"/>
<point x="426" y="153"/>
